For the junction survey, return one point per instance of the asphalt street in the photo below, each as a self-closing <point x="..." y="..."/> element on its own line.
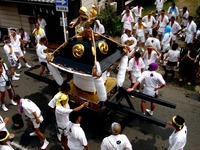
<point x="142" y="135"/>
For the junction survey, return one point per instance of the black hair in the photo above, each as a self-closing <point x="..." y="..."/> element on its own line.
<point x="16" y="97"/>
<point x="7" y="38"/>
<point x="174" y="46"/>
<point x="180" y="121"/>
<point x="172" y="17"/>
<point x="190" y="46"/>
<point x="137" y="54"/>
<point x="73" y="116"/>
<point x="140" y="18"/>
<point x="3" y="134"/>
<point x="65" y="87"/>
<point x="21" y="29"/>
<point x="43" y="39"/>
<point x="163" y="10"/>
<point x="190" y="18"/>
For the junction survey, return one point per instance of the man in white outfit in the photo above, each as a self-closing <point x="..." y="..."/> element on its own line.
<point x="178" y="138"/>
<point x="62" y="117"/>
<point x="176" y="28"/>
<point x="137" y="12"/>
<point x="32" y="111"/>
<point x="153" y="41"/>
<point x="159" y="5"/>
<point x="173" y="11"/>
<point x="153" y="81"/>
<point x="116" y="141"/>
<point x="12" y="59"/>
<point x="16" y="43"/>
<point x="191" y="30"/>
<point x="42" y="22"/>
<point x="127" y="21"/>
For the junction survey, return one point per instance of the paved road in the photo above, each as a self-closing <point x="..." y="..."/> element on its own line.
<point x="143" y="135"/>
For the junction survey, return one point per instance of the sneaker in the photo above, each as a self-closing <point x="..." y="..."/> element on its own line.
<point x="4" y="107"/>
<point x="15" y="78"/>
<point x="13" y="103"/>
<point x="19" y="66"/>
<point x="46" y="143"/>
<point x="16" y="74"/>
<point x="149" y="112"/>
<point x="28" y="66"/>
<point x="33" y="134"/>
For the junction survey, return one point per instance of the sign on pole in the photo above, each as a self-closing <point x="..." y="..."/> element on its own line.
<point x="61" y="5"/>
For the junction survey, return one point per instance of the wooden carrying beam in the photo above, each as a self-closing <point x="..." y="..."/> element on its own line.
<point x="131" y="112"/>
<point x="149" y="98"/>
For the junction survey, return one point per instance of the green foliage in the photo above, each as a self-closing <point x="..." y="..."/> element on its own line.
<point x="197" y="17"/>
<point x="111" y="21"/>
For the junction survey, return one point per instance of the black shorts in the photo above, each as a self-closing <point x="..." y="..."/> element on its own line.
<point x="44" y="64"/>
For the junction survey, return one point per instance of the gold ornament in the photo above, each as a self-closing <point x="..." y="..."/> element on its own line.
<point x="103" y="46"/>
<point x="78" y="50"/>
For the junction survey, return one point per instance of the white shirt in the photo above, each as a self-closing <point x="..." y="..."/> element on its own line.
<point x="7" y="51"/>
<point x="3" y="77"/>
<point x="184" y="20"/>
<point x="163" y="23"/>
<point x="136" y="68"/>
<point x="167" y="38"/>
<point x="40" y="52"/>
<point x="2" y="124"/>
<point x="16" y="43"/>
<point x="53" y="101"/>
<point x="6" y="147"/>
<point x="26" y="37"/>
<point x="39" y="34"/>
<point x="171" y="12"/>
<point x="137" y="13"/>
<point x="173" y="55"/>
<point x="153" y="58"/>
<point x="100" y="29"/>
<point x="149" y="22"/>
<point x="152" y="80"/>
<point x="62" y="116"/>
<point x="177" y="140"/>
<point x="159" y="4"/>
<point x="76" y="137"/>
<point x="152" y="41"/>
<point x="127" y="22"/>
<point x="191" y="29"/>
<point x="29" y="108"/>
<point x="139" y="32"/>
<point x="116" y="142"/>
<point x="42" y="23"/>
<point x="175" y="27"/>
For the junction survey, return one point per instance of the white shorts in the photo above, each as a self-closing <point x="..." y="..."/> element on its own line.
<point x="141" y="38"/>
<point x="173" y="37"/>
<point x="165" y="48"/>
<point x="34" y="122"/>
<point x="149" y="31"/>
<point x="134" y="79"/>
<point x="188" y="39"/>
<point x="19" y="54"/>
<point x="3" y="88"/>
<point x="161" y="30"/>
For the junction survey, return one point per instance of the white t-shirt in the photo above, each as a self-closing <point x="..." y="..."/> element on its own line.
<point x="137" y="13"/>
<point x="152" y="41"/>
<point x="164" y="22"/>
<point x="136" y="68"/>
<point x="139" y="32"/>
<point x="62" y="116"/>
<point x="127" y="22"/>
<point x="154" y="56"/>
<point x="159" y="4"/>
<point x="40" y="52"/>
<point x="173" y="55"/>
<point x="6" y="147"/>
<point x="175" y="27"/>
<point x="42" y="23"/>
<point x="116" y="142"/>
<point x="29" y="108"/>
<point x="3" y="76"/>
<point x="173" y="12"/>
<point x="152" y="80"/>
<point x="191" y="29"/>
<point x="7" y="51"/>
<point x="76" y="137"/>
<point x="16" y="43"/>
<point x="167" y="38"/>
<point x="184" y="20"/>
<point x="39" y="34"/>
<point x="177" y="140"/>
<point x="26" y="37"/>
<point x="148" y="22"/>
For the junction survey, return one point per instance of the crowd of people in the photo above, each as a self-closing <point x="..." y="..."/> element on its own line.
<point x="149" y="39"/>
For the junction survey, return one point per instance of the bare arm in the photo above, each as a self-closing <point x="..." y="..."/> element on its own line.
<point x="85" y="104"/>
<point x="86" y="147"/>
<point x="133" y="87"/>
<point x="36" y="117"/>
